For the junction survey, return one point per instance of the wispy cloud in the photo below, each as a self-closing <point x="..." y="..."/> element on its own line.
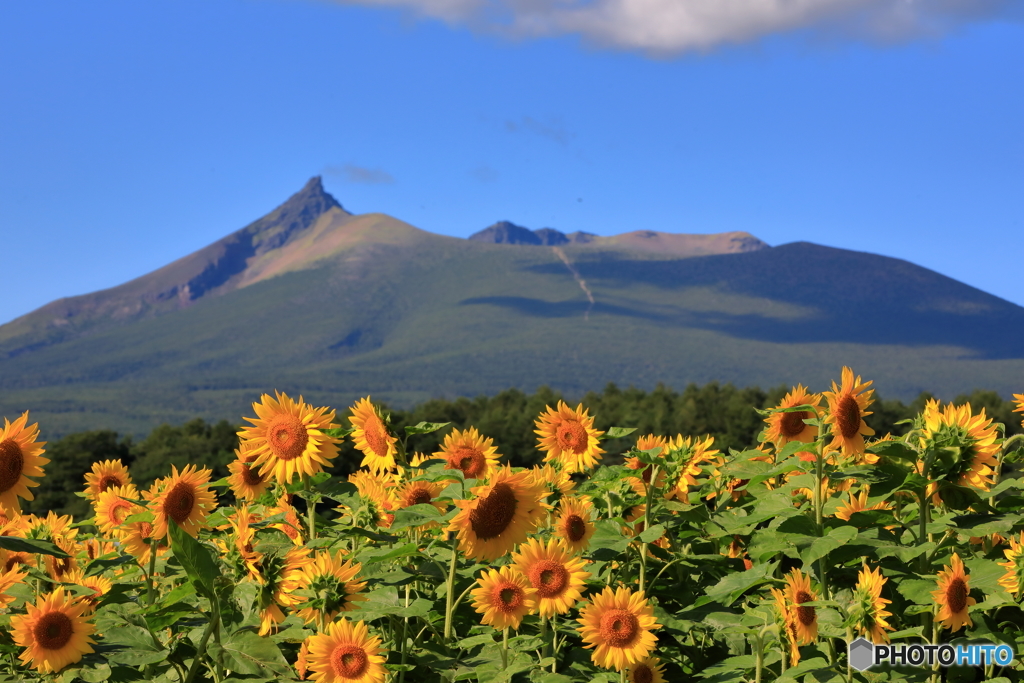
<point x="360" y="174"/>
<point x="553" y="131"/>
<point x="671" y="26"/>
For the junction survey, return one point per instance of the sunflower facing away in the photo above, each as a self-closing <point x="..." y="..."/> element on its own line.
<point x="503" y="597"/>
<point x="469" y="451"/>
<point x="786" y="427"/>
<point x="500" y="514"/>
<point x="953" y="596"/>
<point x="640" y="484"/>
<point x="287" y="437"/>
<point x="555" y="480"/>
<point x="647" y="670"/>
<point x="618" y="625"/>
<point x="977" y="439"/>
<point x="345" y="653"/>
<point x="372" y="437"/>
<point x="868" y="609"/>
<point x="798" y="591"/>
<point x="568" y="436"/>
<point x="847" y="406"/>
<point x="184" y="497"/>
<point x="1013" y="579"/>
<point x="1019" y="400"/>
<point x="105" y="475"/>
<point x="575" y="523"/>
<point x="785" y="618"/>
<point x="53" y="632"/>
<point x="698" y="453"/>
<point x="557" y="576"/>
<point x="19" y="459"/>
<point x="281" y="576"/>
<point x="332" y="582"/>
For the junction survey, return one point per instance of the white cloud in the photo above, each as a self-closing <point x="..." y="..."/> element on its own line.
<point x="672" y="26"/>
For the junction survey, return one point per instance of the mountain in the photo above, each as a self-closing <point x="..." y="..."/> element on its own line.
<point x="311" y="299"/>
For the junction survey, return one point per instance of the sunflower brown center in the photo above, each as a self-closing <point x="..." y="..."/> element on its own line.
<point x="250" y="476"/>
<point x="119" y="511"/>
<point x="145" y="529"/>
<point x="804" y="614"/>
<point x="470" y="460"/>
<point x="53" y="630"/>
<point x="619" y="628"/>
<point x="642" y="673"/>
<point x="109" y="481"/>
<point x="956" y="595"/>
<point x="287" y="437"/>
<point x="12" y="463"/>
<point x="792" y="424"/>
<point x="509" y="597"/>
<point x="848" y="416"/>
<point x="373" y="432"/>
<point x="419" y="497"/>
<point x="14" y="560"/>
<point x="494" y="513"/>
<point x="575" y="528"/>
<point x="180" y="502"/>
<point x="349" y="661"/>
<point x="549" y="578"/>
<point x="572" y="437"/>
<point x="62" y="566"/>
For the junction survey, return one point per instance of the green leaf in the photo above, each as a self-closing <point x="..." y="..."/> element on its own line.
<point x="338" y="432"/>
<point x="899" y="450"/>
<point x="144" y="516"/>
<point x="247" y="653"/>
<point x="194" y="558"/>
<point x="608" y="540"/>
<point x="415" y="516"/>
<point x="26" y="545"/>
<point x="617" y="432"/>
<point x="653" y="534"/>
<point x="732" y="586"/>
<point x="385" y="554"/>
<point x="984" y="525"/>
<point x="826" y="544"/>
<point x="426" y="427"/>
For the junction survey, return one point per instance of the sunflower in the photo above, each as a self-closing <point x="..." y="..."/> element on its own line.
<point x="378" y="491"/>
<point x="858" y="503"/>
<point x="953" y="596"/>
<point x="248" y="558"/>
<point x="99" y="585"/>
<point x="346" y="652"/>
<point x="798" y="591"/>
<point x="7" y="579"/>
<point x="647" y="670"/>
<point x="372" y="437"/>
<point x="503" y="597"/>
<point x="786" y="427"/>
<point x="868" y="609"/>
<point x="302" y="661"/>
<point x="332" y="581"/>
<point x="847" y="406"/>
<point x="112" y="509"/>
<point x="568" y="436"/>
<point x="137" y="538"/>
<point x="184" y="497"/>
<point x="554" y="479"/>
<point x="105" y="475"/>
<point x="551" y="569"/>
<point x="475" y="455"/>
<point x="575" y="523"/>
<point x="12" y="559"/>
<point x="288" y="438"/>
<point x="785" y="618"/>
<point x="1013" y="579"/>
<point x="50" y="528"/>
<point x="245" y="480"/>
<point x="499" y="516"/>
<point x="639" y="484"/>
<point x="1020" y="405"/>
<point x="292" y="525"/>
<point x="53" y="632"/>
<point x="58" y="567"/>
<point x="618" y="625"/>
<point x="421" y="492"/>
<point x="280" y="576"/>
<point x="974" y="435"/>
<point x="95" y="548"/>
<point x="19" y="459"/>
<point x="697" y="452"/>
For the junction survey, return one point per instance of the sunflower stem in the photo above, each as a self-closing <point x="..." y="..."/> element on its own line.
<point x="150" y="589"/>
<point x="201" y="650"/>
<point x="449" y="597"/>
<point x="760" y="658"/>
<point x="405" y="630"/>
<point x="310" y="506"/>
<point x="504" y="648"/>
<point x="849" y="666"/>
<point x="647" y="525"/>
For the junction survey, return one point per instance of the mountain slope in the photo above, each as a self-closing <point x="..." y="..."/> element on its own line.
<point x="346" y="306"/>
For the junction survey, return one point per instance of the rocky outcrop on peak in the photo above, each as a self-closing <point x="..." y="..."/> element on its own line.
<point x="506" y="232"/>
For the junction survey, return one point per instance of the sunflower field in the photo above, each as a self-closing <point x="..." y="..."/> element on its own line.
<point x="683" y="563"/>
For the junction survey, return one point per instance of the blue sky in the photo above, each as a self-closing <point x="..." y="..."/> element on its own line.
<point x="132" y="134"/>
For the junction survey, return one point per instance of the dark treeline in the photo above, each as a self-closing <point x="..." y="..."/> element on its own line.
<point x="723" y="411"/>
